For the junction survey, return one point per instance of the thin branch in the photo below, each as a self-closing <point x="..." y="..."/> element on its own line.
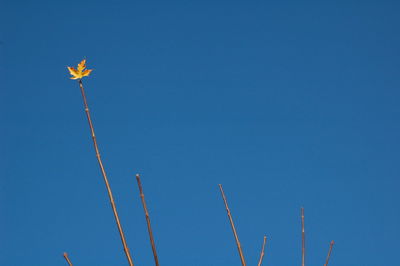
<point x="233" y="227"/>
<point x="110" y="195"/>
<point x="153" y="245"/>
<point x="262" y="252"/>
<point x="303" y="239"/>
<point x="67" y="259"/>
<point x="329" y="253"/>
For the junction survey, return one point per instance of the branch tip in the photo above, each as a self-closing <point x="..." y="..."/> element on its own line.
<point x="65" y="255"/>
<point x="146" y="213"/>
<point x="303" y="239"/>
<point x="233" y="226"/>
<point x="329" y="253"/>
<point x="262" y="251"/>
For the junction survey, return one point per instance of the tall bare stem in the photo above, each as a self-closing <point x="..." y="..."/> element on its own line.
<point x="329" y="253"/>
<point x="110" y="195"/>
<point x="67" y="259"/>
<point x="262" y="251"/>
<point x="303" y="239"/>
<point x="146" y="213"/>
<point x="233" y="227"/>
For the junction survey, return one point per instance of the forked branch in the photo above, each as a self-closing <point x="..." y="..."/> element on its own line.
<point x="146" y="213"/>
<point x="233" y="227"/>
<point x="103" y="172"/>
<point x="262" y="251"/>
<point x="67" y="259"/>
<point x="329" y="253"/>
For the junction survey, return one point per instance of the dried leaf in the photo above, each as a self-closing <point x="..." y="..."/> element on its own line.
<point x="82" y="65"/>
<point x="80" y="72"/>
<point x="86" y="72"/>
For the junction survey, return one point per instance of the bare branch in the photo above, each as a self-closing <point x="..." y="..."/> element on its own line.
<point x="233" y="227"/>
<point x="303" y="239"/>
<point x="153" y="245"/>
<point x="262" y="251"/>
<point x="329" y="253"/>
<point x="67" y="259"/>
<point x="110" y="195"/>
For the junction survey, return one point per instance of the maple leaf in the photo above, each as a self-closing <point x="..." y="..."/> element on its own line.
<point x="80" y="71"/>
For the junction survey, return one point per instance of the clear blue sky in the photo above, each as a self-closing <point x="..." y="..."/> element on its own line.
<point x="286" y="104"/>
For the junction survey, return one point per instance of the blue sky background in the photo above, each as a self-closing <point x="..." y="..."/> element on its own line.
<point x="286" y="103"/>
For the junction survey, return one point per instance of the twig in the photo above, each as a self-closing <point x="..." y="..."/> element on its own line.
<point x="67" y="259"/>
<point x="233" y="227"/>
<point x="262" y="252"/>
<point x="153" y="245"/>
<point x="329" y="253"/>
<point x="110" y="195"/>
<point x="303" y="239"/>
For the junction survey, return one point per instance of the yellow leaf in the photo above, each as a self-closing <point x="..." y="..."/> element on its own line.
<point x="73" y="72"/>
<point x="82" y="65"/>
<point x="86" y="72"/>
<point x="80" y="72"/>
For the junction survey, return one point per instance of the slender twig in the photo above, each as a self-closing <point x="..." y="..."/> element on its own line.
<point x="329" y="253"/>
<point x="233" y="227"/>
<point x="110" y="195"/>
<point x="303" y="239"/>
<point x="67" y="259"/>
<point x="262" y="251"/>
<point x="153" y="245"/>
